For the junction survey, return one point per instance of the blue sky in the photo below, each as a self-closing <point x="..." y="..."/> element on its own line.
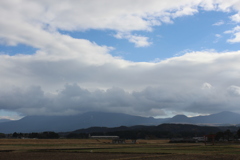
<point x="149" y="58"/>
<point x="191" y="33"/>
<point x="197" y="32"/>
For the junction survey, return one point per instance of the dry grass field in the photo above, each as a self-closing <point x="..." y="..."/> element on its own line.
<point x="88" y="149"/>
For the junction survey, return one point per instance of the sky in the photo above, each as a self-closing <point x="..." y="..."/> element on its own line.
<point x="149" y="58"/>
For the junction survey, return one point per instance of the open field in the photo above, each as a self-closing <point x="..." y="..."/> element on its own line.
<point x="87" y="149"/>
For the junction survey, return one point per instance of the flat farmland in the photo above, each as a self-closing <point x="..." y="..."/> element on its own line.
<point x="98" y="149"/>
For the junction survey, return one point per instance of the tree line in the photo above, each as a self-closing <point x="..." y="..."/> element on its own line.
<point x="139" y="132"/>
<point x="226" y="135"/>
<point x="42" y="135"/>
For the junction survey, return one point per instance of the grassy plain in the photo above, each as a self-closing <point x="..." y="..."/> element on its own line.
<point x="87" y="149"/>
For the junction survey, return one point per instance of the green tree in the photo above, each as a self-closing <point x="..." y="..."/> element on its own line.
<point x="15" y="135"/>
<point x="227" y="134"/>
<point x="2" y="135"/>
<point x="238" y="133"/>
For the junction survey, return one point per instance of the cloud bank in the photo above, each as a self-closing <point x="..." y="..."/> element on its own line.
<point x="68" y="75"/>
<point x="198" y="82"/>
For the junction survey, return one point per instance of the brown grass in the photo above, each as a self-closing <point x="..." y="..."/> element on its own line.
<point x="64" y="149"/>
<point x="53" y="141"/>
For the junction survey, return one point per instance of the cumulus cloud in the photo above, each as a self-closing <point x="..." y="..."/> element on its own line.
<point x="68" y="75"/>
<point x="235" y="17"/>
<point x="139" y="41"/>
<point x="185" y="11"/>
<point x="206" y="86"/>
<point x="219" y="23"/>
<point x="234" y="90"/>
<point x="41" y="17"/>
<point x="236" y="32"/>
<point x="73" y="99"/>
<point x="68" y="86"/>
<point x="217" y="38"/>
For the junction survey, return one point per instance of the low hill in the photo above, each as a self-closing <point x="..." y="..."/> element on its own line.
<point x="160" y="131"/>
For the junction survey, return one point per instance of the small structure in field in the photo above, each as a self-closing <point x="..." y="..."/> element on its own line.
<point x="199" y="139"/>
<point x="182" y="140"/>
<point x="104" y="137"/>
<point x="118" y="141"/>
<point x="134" y="141"/>
<point x="188" y="140"/>
<point x="210" y="137"/>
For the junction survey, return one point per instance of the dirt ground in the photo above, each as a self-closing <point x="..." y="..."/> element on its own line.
<point x="91" y="149"/>
<point x="108" y="156"/>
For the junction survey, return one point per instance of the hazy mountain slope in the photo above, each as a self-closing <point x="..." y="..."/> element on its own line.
<point x="225" y="117"/>
<point x="70" y="123"/>
<point x="221" y="118"/>
<point x="4" y="120"/>
<point x="179" y="119"/>
<point x="101" y="119"/>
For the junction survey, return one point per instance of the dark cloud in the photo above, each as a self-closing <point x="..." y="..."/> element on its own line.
<point x="73" y="99"/>
<point x="194" y="82"/>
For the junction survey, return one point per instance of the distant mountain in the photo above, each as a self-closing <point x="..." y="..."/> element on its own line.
<point x="4" y="120"/>
<point x="179" y="119"/>
<point x="70" y="123"/>
<point x="224" y="117"/>
<point x="101" y="119"/>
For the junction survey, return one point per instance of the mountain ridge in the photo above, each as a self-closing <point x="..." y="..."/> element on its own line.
<point x="70" y="123"/>
<point x="105" y="119"/>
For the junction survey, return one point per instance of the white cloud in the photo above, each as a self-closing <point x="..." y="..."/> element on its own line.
<point x="218" y="37"/>
<point x="234" y="90"/>
<point x="39" y="85"/>
<point x="235" y="17"/>
<point x="41" y="17"/>
<point x="206" y="86"/>
<point x="219" y="23"/>
<point x="185" y="11"/>
<point x="139" y="41"/>
<point x="236" y="32"/>
<point x="156" y="60"/>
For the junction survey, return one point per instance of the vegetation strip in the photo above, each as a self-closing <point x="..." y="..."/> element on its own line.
<point x="6" y="150"/>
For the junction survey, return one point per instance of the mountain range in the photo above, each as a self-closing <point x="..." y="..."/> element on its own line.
<point x="102" y="119"/>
